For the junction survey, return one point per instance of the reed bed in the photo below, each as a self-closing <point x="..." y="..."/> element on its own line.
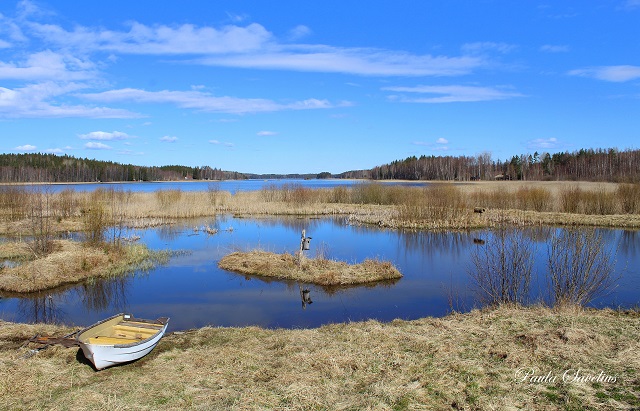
<point x="317" y="270"/>
<point x="69" y="262"/>
<point x="435" y="206"/>
<point x="488" y="359"/>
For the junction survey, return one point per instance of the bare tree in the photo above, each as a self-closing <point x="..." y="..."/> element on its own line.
<point x="580" y="266"/>
<point x="502" y="267"/>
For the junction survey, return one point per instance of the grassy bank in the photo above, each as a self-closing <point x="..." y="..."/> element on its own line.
<point x="69" y="262"/>
<point x="436" y="206"/>
<point x="319" y="271"/>
<point x="507" y="358"/>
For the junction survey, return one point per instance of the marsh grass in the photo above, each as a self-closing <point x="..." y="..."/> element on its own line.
<point x="71" y="262"/>
<point x="319" y="270"/>
<point x="463" y="361"/>
<point x="435" y="206"/>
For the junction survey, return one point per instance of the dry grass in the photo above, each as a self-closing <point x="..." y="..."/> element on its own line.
<point x="463" y="361"/>
<point x="436" y="206"/>
<point x="70" y="262"/>
<point x="319" y="271"/>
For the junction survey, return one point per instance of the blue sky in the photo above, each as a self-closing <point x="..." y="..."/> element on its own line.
<point x="309" y="86"/>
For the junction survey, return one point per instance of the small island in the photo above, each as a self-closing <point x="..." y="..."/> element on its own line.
<point x="320" y="271"/>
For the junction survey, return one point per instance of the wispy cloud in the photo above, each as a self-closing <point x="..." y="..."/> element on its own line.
<point x="48" y="65"/>
<point x="159" y="39"/>
<point x="487" y="46"/>
<point x="439" y="145"/>
<point x="358" y="61"/>
<point x="616" y="74"/>
<point x="543" y="144"/>
<point x="551" y="48"/>
<point x="41" y="100"/>
<point x="452" y="94"/>
<point x="168" y="139"/>
<point x="92" y="145"/>
<point x="205" y="102"/>
<point x="26" y="147"/>
<point x="266" y="133"/>
<point x="299" y="32"/>
<point x="218" y="142"/>
<point x="105" y="136"/>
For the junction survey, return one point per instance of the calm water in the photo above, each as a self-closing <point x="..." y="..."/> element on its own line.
<point x="194" y="292"/>
<point x="232" y="186"/>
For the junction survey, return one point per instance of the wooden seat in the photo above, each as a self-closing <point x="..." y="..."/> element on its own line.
<point x="142" y="324"/>
<point x="134" y="329"/>
<point x="112" y="340"/>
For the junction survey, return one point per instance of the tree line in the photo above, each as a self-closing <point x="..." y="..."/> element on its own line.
<point x="585" y="164"/>
<point x="50" y="168"/>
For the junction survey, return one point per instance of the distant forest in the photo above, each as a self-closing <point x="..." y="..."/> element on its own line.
<point x="589" y="165"/>
<point x="50" y="168"/>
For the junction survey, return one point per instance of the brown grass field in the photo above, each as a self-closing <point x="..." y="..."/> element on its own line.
<point x="319" y="271"/>
<point x="506" y="358"/>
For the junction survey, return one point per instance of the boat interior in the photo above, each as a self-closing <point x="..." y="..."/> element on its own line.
<point x="120" y="330"/>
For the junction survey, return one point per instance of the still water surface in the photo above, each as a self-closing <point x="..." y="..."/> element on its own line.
<point x="194" y="292"/>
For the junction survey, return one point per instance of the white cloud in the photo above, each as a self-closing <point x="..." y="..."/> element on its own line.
<point x="487" y="46"/>
<point x="169" y="139"/>
<point x="49" y="65"/>
<point x="359" y="61"/>
<point x="26" y="147"/>
<point x="206" y="102"/>
<point x="266" y="133"/>
<point x="96" y="146"/>
<point x="160" y="39"/>
<point x="105" y="136"/>
<point x="54" y="151"/>
<point x="299" y="32"/>
<point x="452" y="94"/>
<point x="616" y="74"/>
<point x="39" y="100"/>
<point x="214" y="142"/>
<point x="550" y="48"/>
<point x="439" y="145"/>
<point x="543" y="143"/>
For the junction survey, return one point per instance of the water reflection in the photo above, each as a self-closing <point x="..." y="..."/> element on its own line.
<point x="194" y="292"/>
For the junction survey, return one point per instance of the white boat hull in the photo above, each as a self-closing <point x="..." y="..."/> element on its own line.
<point x="104" y="345"/>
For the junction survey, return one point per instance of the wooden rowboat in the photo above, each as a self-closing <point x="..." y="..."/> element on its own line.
<point x="120" y="339"/>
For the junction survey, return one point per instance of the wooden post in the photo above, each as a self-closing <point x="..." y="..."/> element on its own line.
<point x="301" y="249"/>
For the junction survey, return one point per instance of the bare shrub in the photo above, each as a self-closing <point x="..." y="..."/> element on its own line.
<point x="629" y="198"/>
<point x="440" y="202"/>
<point x="39" y="206"/>
<point x="66" y="204"/>
<point x="339" y="194"/>
<point x="502" y="268"/>
<point x="95" y="217"/>
<point x="580" y="266"/>
<point x="369" y="193"/>
<point x="600" y="202"/>
<point x="533" y="198"/>
<point x="570" y="199"/>
<point x="13" y="201"/>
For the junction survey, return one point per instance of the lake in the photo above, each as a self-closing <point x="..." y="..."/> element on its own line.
<point x="194" y="292"/>
<point x="232" y="186"/>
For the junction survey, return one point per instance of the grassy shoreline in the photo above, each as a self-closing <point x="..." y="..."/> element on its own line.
<point x="319" y="271"/>
<point x="504" y="358"/>
<point x="70" y="262"/>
